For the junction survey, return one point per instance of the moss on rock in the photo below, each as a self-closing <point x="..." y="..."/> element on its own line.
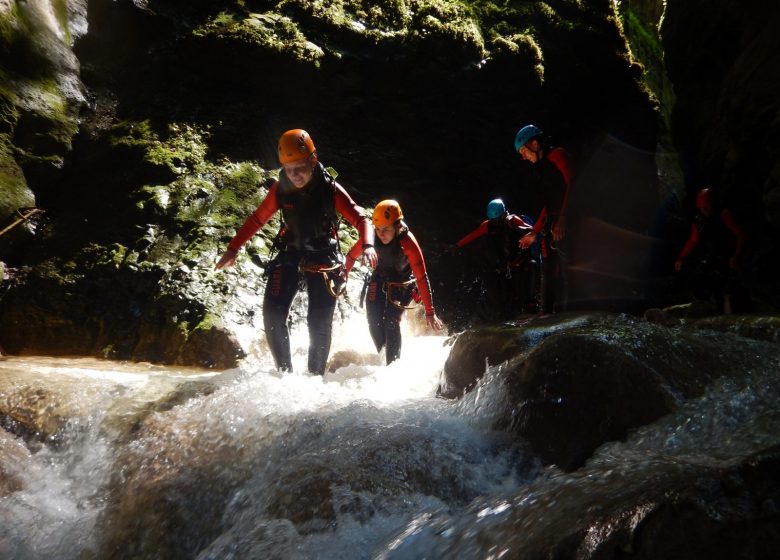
<point x="269" y="32"/>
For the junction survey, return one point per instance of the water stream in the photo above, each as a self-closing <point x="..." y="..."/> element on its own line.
<point x="154" y="462"/>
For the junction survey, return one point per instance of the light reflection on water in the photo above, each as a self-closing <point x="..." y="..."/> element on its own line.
<point x="250" y="422"/>
<point x="399" y="472"/>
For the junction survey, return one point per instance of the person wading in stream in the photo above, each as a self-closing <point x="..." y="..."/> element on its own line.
<point x="309" y="199"/>
<point x="399" y="277"/>
<point x="510" y="272"/>
<point x="718" y="240"/>
<point x="547" y="196"/>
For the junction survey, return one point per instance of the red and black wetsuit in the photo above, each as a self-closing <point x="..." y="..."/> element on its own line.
<point x="509" y="278"/>
<point x="547" y="196"/>
<point x="397" y="263"/>
<point x="310" y="223"/>
<point x="718" y="240"/>
<point x="504" y="233"/>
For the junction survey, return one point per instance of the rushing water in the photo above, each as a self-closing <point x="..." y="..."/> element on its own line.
<point x="366" y="462"/>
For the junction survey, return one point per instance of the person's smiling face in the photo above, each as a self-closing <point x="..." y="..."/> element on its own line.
<point x="299" y="172"/>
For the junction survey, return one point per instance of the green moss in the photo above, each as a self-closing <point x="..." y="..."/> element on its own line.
<point x="269" y="31"/>
<point x="238" y="191"/>
<point x="8" y="28"/>
<point x="182" y="148"/>
<point x="61" y="12"/>
<point x="209" y="321"/>
<point x="14" y="192"/>
<point x="638" y="32"/>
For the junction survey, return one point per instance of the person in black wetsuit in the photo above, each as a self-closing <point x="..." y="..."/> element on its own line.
<point x="309" y="199"/>
<point x="717" y="240"/>
<point x="546" y="196"/>
<point x="399" y="276"/>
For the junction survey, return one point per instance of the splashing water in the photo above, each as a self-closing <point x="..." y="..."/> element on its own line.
<point x="141" y="461"/>
<point x="248" y="449"/>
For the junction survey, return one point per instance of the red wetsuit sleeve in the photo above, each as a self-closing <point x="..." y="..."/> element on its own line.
<point x="728" y="219"/>
<point x="354" y="215"/>
<point x="354" y="254"/>
<point x="256" y="219"/>
<point x="539" y="223"/>
<point x="560" y="158"/>
<point x="481" y="230"/>
<point x="414" y="255"/>
<point x="518" y="222"/>
<point x="690" y="245"/>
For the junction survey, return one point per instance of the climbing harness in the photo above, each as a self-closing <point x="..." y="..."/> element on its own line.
<point x="332" y="283"/>
<point x="387" y="288"/>
<point x="24" y="215"/>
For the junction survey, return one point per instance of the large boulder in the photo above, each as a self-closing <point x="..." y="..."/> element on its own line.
<point x="585" y="382"/>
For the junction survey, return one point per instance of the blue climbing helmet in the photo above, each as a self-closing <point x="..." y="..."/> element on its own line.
<point x="495" y="208"/>
<point x="525" y="134"/>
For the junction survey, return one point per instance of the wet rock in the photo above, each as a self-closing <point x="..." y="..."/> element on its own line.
<point x="13" y="458"/>
<point x="171" y="486"/>
<point x="127" y="423"/>
<point x="344" y="358"/>
<point x="661" y="317"/>
<point x="35" y="414"/>
<point x="758" y="327"/>
<point x="255" y="540"/>
<point x="318" y="491"/>
<point x="658" y="508"/>
<point x="577" y="384"/>
<point x="476" y="349"/>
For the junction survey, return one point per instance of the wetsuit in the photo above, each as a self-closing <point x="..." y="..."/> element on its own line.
<point x="390" y="290"/>
<point x="504" y="231"/>
<point x="309" y="240"/>
<point x="509" y="276"/>
<point x="547" y="196"/>
<point x="718" y="240"/>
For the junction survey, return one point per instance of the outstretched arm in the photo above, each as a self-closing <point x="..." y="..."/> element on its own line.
<point x="252" y="225"/>
<point x="354" y="254"/>
<point x="481" y="230"/>
<point x="414" y="254"/>
<point x="354" y="215"/>
<point x="690" y="245"/>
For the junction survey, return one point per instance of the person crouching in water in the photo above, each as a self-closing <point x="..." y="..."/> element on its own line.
<point x="308" y="198"/>
<point x="400" y="268"/>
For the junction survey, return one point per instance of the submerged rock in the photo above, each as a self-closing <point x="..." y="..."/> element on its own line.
<point x="14" y="455"/>
<point x="653" y="508"/>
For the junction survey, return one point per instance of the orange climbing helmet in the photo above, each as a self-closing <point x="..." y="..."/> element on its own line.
<point x="295" y="145"/>
<point x="387" y="213"/>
